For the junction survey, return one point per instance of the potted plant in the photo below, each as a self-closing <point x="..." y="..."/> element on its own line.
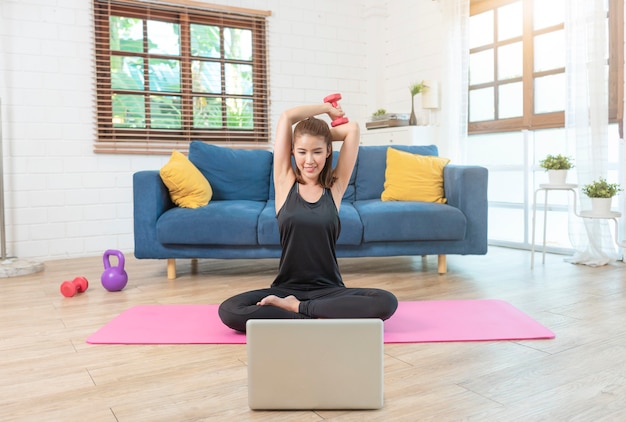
<point x="379" y="114"/>
<point x="601" y="193"/>
<point x="415" y="89"/>
<point x="557" y="167"/>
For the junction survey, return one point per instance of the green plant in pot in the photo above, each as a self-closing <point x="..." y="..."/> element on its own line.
<point x="557" y="167"/>
<point x="379" y="114"/>
<point x="415" y="89"/>
<point x="556" y="162"/>
<point x="600" y="188"/>
<point x="601" y="193"/>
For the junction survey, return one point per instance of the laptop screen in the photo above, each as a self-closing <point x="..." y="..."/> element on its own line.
<point x="315" y="364"/>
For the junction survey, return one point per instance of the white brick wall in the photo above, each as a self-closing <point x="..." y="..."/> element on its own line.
<point x="414" y="45"/>
<point x="62" y="200"/>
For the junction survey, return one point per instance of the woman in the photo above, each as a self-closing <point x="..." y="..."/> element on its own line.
<point x="308" y="198"/>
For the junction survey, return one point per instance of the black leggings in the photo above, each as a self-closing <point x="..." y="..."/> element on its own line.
<point x="333" y="302"/>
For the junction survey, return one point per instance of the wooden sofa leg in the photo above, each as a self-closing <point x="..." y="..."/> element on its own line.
<point x="171" y="269"/>
<point x="441" y="264"/>
<point x="194" y="266"/>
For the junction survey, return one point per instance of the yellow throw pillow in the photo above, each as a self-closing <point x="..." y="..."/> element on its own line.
<point x="188" y="187"/>
<point x="413" y="177"/>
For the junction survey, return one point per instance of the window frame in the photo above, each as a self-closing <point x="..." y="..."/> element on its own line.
<point x="112" y="139"/>
<point x="529" y="120"/>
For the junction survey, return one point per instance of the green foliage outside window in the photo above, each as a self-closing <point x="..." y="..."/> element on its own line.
<point x="137" y="103"/>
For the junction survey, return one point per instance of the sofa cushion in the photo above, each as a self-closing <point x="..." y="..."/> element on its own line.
<point x="413" y="177"/>
<point x="351" y="226"/>
<point x="410" y="221"/>
<point x="347" y="196"/>
<point x="218" y="223"/>
<point x="268" y="225"/>
<point x="233" y="173"/>
<point x="187" y="186"/>
<point x="371" y="165"/>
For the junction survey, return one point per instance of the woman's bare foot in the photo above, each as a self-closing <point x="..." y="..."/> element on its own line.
<point x="289" y="303"/>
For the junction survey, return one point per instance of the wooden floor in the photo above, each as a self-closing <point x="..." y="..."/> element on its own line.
<point x="49" y="373"/>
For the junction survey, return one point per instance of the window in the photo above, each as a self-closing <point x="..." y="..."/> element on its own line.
<point x="167" y="74"/>
<point x="517" y="64"/>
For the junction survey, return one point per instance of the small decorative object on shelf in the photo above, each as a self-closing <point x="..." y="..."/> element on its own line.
<point x="379" y="114"/>
<point x="415" y="89"/>
<point x="382" y="119"/>
<point x="557" y="167"/>
<point x="601" y="193"/>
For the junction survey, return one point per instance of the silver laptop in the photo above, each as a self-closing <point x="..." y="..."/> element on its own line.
<point x="315" y="363"/>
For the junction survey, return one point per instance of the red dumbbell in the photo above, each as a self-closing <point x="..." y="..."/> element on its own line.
<point x="332" y="99"/>
<point x="70" y="288"/>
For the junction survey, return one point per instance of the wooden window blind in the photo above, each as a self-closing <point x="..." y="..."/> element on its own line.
<point x="169" y="73"/>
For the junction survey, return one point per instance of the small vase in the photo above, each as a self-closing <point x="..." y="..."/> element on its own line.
<point x="412" y="119"/>
<point x="557" y="177"/>
<point x="601" y="206"/>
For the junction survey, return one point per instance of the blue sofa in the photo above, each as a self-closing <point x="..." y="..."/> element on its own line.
<point x="240" y="222"/>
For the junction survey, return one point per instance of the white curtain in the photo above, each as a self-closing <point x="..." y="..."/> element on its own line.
<point x="454" y="82"/>
<point x="586" y="121"/>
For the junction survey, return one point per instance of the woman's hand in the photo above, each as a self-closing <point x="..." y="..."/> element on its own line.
<point x="335" y="112"/>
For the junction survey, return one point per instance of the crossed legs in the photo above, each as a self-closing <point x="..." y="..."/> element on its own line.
<point x="334" y="302"/>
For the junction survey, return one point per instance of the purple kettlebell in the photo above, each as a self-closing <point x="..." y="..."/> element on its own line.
<point x="113" y="279"/>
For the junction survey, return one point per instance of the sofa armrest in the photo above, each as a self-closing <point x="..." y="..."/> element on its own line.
<point x="151" y="199"/>
<point x="466" y="189"/>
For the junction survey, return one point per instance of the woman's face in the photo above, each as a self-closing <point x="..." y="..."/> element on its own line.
<point x="310" y="153"/>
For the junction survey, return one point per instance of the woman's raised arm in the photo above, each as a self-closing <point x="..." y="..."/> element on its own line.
<point x="284" y="175"/>
<point x="350" y="134"/>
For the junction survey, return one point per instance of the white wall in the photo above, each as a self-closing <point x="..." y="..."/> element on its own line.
<point x="62" y="200"/>
<point x="414" y="44"/>
<point x="406" y="44"/>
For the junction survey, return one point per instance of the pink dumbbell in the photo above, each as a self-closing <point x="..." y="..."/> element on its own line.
<point x="70" y="288"/>
<point x="332" y="99"/>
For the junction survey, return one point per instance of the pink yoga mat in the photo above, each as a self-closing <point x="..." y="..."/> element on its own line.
<point x="413" y="322"/>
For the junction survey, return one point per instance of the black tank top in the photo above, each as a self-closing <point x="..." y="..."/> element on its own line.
<point x="308" y="234"/>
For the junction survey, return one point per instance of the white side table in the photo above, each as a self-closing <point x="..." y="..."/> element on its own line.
<point x="547" y="188"/>
<point x="611" y="215"/>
